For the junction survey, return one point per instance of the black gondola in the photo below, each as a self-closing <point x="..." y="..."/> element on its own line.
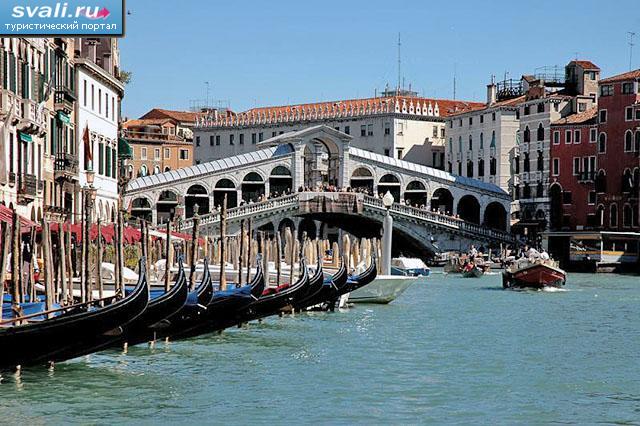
<point x="329" y="289"/>
<point x="36" y="343"/>
<point x="316" y="282"/>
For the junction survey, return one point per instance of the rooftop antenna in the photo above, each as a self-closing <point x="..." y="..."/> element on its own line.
<point x="631" y="44"/>
<point x="455" y="67"/>
<point x="399" y="63"/>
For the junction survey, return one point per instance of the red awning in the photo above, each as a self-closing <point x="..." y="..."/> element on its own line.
<point x="6" y="215"/>
<point x="129" y="234"/>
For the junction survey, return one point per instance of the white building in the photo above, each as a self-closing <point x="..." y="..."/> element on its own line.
<point x="480" y="142"/>
<point x="402" y="127"/>
<point x="98" y="109"/>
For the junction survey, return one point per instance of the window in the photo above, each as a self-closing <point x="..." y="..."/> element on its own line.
<point x="254" y="138"/>
<point x="602" y="143"/>
<point x="556" y="166"/>
<point x="481" y="140"/>
<point x="387" y="152"/>
<point x="636" y="147"/>
<point x="459" y="143"/>
<point x="540" y="135"/>
<point x="143" y="153"/>
<point x="567" y="136"/>
<point x="347" y="130"/>
<point x="167" y="153"/>
<point x="469" y="168"/>
<point x="526" y="110"/>
<point x="100" y="159"/>
<point x="217" y="140"/>
<point x="241" y="138"/>
<point x="493" y="116"/>
<point x="566" y="197"/>
<point x="363" y="130"/>
<point x="591" y="199"/>
<point x="540" y="165"/>
<point x="369" y="129"/>
<point x="400" y="151"/>
<point x="606" y="90"/>
<point x="576" y="136"/>
<point x="576" y="166"/>
<point x="451" y="124"/>
<point x="556" y="137"/>
<point x="435" y="132"/>
<point x="582" y="107"/>
<point x="442" y="135"/>
<point x="638" y="114"/>
<point x="92" y="97"/>
<point x="197" y="140"/>
<point x="628" y="141"/>
<point x="157" y="154"/>
<point x="540" y="107"/>
<point x="211" y="140"/>
<point x="602" y="116"/>
<point x="527" y="134"/>
<point x="539" y="190"/>
<point x="232" y="139"/>
<point x="113" y="108"/>
<point x="99" y="101"/>
<point x="628" y="114"/>
<point x="481" y="167"/>
<point x="470" y="143"/>
<point x="627" y="88"/>
<point x="106" y="105"/>
<point x="493" y="166"/>
<point x="260" y="137"/>
<point x="593" y="135"/>
<point x="526" y="164"/>
<point x="613" y="215"/>
<point x="84" y="93"/>
<point x="184" y="154"/>
<point x="481" y="118"/>
<point x="387" y="128"/>
<point x="273" y="134"/>
<point x="470" y="121"/>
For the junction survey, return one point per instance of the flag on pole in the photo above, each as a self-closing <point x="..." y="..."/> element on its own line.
<point x="88" y="155"/>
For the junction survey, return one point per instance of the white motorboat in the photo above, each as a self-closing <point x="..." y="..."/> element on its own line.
<point x="384" y="289"/>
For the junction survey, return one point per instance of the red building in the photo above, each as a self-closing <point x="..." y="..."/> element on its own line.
<point x="618" y="148"/>
<point x="573" y="167"/>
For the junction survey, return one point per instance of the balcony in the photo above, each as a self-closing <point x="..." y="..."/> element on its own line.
<point x="586" y="177"/>
<point x="32" y="119"/>
<point x="27" y="188"/>
<point x="66" y="167"/>
<point x="9" y="102"/>
<point x="63" y="99"/>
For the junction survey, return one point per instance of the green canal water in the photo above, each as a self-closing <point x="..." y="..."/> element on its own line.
<point x="451" y="350"/>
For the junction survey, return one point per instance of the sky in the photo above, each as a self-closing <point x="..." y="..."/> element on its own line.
<point x="280" y="52"/>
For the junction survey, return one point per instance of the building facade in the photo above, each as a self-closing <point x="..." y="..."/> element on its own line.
<point x="156" y="147"/>
<point x="480" y="142"/>
<point x="618" y="152"/>
<point x="401" y="127"/>
<point x="572" y="195"/>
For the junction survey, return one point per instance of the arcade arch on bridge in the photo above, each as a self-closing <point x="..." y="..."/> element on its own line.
<point x="362" y="180"/>
<point x="416" y="193"/>
<point x="141" y="208"/>
<point x="390" y="182"/>
<point x="469" y="209"/>
<point x="280" y="181"/>
<point x="442" y="201"/>
<point x="196" y="195"/>
<point x="495" y="216"/>
<point x="252" y="187"/>
<point x="225" y="187"/>
<point x="166" y="205"/>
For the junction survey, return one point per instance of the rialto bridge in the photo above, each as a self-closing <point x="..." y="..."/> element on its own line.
<point x="317" y="183"/>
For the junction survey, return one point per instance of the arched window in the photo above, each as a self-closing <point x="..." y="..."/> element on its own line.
<point x="600" y="215"/>
<point x="613" y="215"/>
<point x="636" y="147"/>
<point x="493" y="139"/>
<point x="470" y="143"/>
<point x="527" y="134"/>
<point x="628" y="141"/>
<point x="460" y="143"/>
<point x="541" y="107"/>
<point x="627" y="181"/>
<point x="601" y="182"/>
<point x="540" y="132"/>
<point x="470" y="168"/>
<point x="156" y="170"/>
<point x="540" y="161"/>
<point x="602" y="143"/>
<point x="481" y="167"/>
<point x="539" y="190"/>
<point x="526" y="191"/>
<point x="450" y="144"/>
<point x="143" y="170"/>
<point x="481" y="140"/>
<point x="493" y="166"/>
<point x="627" y="216"/>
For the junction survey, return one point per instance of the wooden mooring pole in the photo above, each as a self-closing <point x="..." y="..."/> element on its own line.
<point x="223" y="233"/>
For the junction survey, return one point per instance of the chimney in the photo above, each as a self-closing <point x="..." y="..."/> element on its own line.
<point x="492" y="92"/>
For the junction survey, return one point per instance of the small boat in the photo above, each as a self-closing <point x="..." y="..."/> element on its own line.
<point x="383" y="289"/>
<point x="411" y="266"/>
<point x="472" y="271"/>
<point x="537" y="275"/>
<point x="37" y="342"/>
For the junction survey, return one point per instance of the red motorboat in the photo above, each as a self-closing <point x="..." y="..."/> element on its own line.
<point x="536" y="275"/>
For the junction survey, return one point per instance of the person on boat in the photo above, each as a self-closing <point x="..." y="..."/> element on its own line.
<point x="473" y="252"/>
<point x="544" y="255"/>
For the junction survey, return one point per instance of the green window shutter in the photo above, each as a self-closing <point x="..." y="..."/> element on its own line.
<point x="107" y="162"/>
<point x="3" y="68"/>
<point x="100" y="158"/>
<point x="12" y="73"/>
<point x="114" y="165"/>
<point x="46" y="63"/>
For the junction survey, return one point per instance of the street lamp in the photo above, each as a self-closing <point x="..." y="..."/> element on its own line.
<point x="387" y="231"/>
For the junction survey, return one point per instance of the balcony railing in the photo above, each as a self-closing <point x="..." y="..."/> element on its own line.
<point x="153" y="136"/>
<point x="27" y="188"/>
<point x="586" y="177"/>
<point x="63" y="99"/>
<point x="33" y="120"/>
<point x="66" y="166"/>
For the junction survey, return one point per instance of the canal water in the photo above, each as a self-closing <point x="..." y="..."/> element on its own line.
<point x="450" y="350"/>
